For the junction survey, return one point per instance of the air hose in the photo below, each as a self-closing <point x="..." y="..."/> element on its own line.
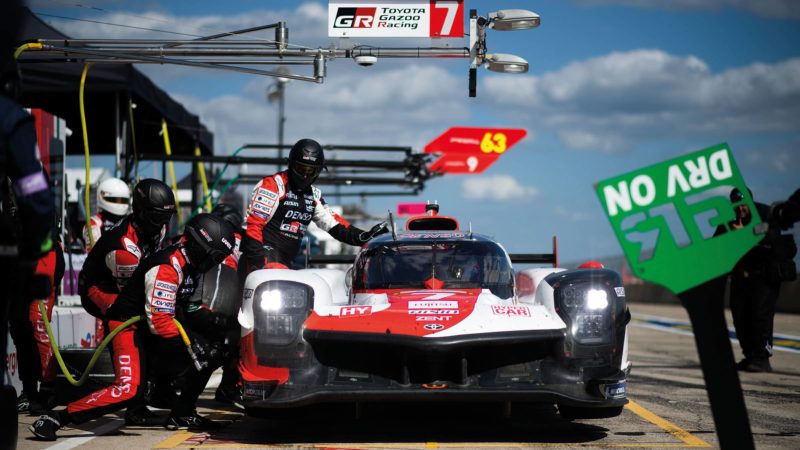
<point x="87" y="181"/>
<point x="103" y="344"/>
<point x="168" y="151"/>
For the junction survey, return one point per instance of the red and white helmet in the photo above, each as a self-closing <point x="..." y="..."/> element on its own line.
<point x="114" y="197"/>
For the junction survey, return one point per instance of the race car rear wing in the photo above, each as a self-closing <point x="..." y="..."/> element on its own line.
<point x="519" y="258"/>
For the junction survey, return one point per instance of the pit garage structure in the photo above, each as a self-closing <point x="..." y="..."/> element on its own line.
<point x="114" y="94"/>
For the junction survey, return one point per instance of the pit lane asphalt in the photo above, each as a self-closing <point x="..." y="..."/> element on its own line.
<point x="669" y="409"/>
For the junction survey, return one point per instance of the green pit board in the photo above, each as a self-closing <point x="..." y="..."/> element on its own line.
<point x="674" y="208"/>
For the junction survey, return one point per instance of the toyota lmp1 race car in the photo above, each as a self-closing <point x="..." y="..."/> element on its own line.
<point x="435" y="314"/>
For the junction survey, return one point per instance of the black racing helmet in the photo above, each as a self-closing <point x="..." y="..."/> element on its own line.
<point x="306" y="161"/>
<point x="153" y="205"/>
<point x="209" y="240"/>
<point x="229" y="214"/>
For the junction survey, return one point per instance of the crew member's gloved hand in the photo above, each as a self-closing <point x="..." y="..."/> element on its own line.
<point x="226" y="323"/>
<point x="377" y="230"/>
<point x="209" y="354"/>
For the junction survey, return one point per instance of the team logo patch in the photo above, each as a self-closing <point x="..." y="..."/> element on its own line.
<point x="165" y="295"/>
<point x="126" y="271"/>
<point x="517" y="311"/>
<point x="166" y="286"/>
<point x="131" y="247"/>
<point x="433" y="326"/>
<point x="248" y="293"/>
<point x="267" y="193"/>
<point x="620" y="291"/>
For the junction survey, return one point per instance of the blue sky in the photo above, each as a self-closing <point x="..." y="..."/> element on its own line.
<point x="614" y="85"/>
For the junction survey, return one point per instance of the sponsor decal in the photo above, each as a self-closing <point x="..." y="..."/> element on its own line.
<point x="433" y="318"/>
<point x="267" y="193"/>
<point x="616" y="390"/>
<point x="162" y="304"/>
<point x="298" y="215"/>
<point x="433" y="304"/>
<point x="248" y="293"/>
<point x="406" y="18"/>
<point x="227" y="244"/>
<point x="516" y="311"/>
<point x="163" y="294"/>
<point x="355" y="310"/>
<point x="125" y="271"/>
<point x="354" y="18"/>
<point x="431" y="235"/>
<point x="177" y="266"/>
<point x="433" y="311"/>
<point x="131" y="247"/>
<point x="166" y="286"/>
<point x="433" y="326"/>
<point x="620" y="291"/>
<point x="260" y="214"/>
<point x="293" y="227"/>
<point x="205" y="234"/>
<point x="125" y="375"/>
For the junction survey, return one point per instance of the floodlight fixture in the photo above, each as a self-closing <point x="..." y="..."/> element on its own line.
<point x="505" y="63"/>
<point x="513" y="19"/>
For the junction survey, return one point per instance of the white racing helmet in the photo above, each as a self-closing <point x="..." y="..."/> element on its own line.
<point x="114" y="197"/>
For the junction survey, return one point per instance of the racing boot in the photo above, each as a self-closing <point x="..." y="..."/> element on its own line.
<point x="46" y="426"/>
<point x="231" y="395"/>
<point x="192" y="422"/>
<point x="23" y="404"/>
<point x="140" y="416"/>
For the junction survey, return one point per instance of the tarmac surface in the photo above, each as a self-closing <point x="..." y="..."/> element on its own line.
<point x="668" y="409"/>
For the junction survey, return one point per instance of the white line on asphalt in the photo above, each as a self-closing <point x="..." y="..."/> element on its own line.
<point x="69" y="443"/>
<point x="667" y="329"/>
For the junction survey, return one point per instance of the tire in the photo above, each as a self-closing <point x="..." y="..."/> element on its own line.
<point x="577" y="412"/>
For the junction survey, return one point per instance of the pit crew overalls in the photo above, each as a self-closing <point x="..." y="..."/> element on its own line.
<point x="277" y="218"/>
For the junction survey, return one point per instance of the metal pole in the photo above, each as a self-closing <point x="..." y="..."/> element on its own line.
<point x="281" y="120"/>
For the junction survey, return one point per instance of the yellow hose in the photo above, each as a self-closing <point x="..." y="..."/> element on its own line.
<point x="80" y="381"/>
<point x="87" y="184"/>
<point x="168" y="150"/>
<point x="28" y="46"/>
<point x="202" y="169"/>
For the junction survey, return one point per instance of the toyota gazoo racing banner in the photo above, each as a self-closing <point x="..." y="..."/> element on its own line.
<point x="397" y="18"/>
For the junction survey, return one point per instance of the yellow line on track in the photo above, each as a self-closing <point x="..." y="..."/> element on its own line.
<point x="676" y="431"/>
<point x="687" y="440"/>
<point x="175" y="440"/>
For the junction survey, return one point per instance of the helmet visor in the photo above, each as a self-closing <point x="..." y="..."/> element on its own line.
<point x="306" y="170"/>
<point x="159" y="217"/>
<point x="117" y="200"/>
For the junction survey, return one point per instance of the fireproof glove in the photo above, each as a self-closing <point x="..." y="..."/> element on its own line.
<point x="377" y="230"/>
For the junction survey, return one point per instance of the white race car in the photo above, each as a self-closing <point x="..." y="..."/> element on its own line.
<point x="435" y="314"/>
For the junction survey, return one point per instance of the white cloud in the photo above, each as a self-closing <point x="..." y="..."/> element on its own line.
<point x="497" y="187"/>
<point x="612" y="102"/>
<point x="779" y="9"/>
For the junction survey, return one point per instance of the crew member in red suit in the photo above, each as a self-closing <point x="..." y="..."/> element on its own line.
<point x="159" y="288"/>
<point x="281" y="207"/>
<point x="116" y="255"/>
<point x="35" y="357"/>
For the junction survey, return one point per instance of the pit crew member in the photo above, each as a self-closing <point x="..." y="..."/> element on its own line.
<point x="281" y="207"/>
<point x="158" y="288"/>
<point x="113" y="204"/>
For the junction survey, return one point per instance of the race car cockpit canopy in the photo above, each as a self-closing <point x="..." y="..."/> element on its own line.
<point x="398" y="264"/>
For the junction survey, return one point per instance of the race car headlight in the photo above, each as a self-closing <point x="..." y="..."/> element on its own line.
<point x="282" y="308"/>
<point x="587" y="310"/>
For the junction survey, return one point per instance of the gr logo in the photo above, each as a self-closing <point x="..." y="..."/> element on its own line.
<point x="354" y="18"/>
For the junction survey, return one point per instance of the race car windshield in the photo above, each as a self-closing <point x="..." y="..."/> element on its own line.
<point x="458" y="264"/>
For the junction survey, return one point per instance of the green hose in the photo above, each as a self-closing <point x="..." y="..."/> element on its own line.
<point x="99" y="351"/>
